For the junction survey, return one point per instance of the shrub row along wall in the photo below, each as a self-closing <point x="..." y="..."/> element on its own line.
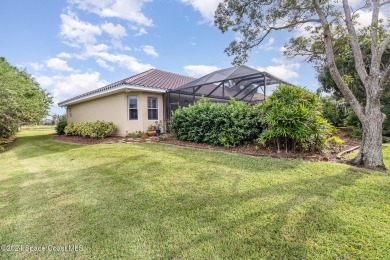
<point x="227" y="124"/>
<point x="98" y="129"/>
<point x="291" y="117"/>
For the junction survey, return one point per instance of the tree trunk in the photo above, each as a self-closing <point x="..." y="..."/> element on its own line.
<point x="370" y="154"/>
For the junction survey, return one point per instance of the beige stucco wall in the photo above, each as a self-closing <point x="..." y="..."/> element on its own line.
<point x="114" y="108"/>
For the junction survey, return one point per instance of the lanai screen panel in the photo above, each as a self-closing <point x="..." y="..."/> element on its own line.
<point x="242" y="83"/>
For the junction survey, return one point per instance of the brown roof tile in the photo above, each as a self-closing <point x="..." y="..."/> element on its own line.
<point x="152" y="78"/>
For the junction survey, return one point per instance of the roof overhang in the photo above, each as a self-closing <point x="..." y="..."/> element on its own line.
<point x="118" y="89"/>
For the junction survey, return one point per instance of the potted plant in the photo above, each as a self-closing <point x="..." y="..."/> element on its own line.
<point x="158" y="127"/>
<point x="152" y="130"/>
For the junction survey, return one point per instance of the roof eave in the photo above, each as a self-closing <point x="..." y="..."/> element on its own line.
<point x="108" y="92"/>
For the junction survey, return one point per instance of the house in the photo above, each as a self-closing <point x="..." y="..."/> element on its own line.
<point x="134" y="103"/>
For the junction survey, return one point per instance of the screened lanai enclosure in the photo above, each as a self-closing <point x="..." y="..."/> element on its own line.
<point x="242" y="83"/>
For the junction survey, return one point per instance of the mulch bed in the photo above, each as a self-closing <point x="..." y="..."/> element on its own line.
<point x="249" y="149"/>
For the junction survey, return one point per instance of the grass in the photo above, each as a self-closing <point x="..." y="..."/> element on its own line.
<point x="160" y="201"/>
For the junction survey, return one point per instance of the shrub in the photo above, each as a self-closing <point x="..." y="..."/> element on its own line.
<point x="137" y="134"/>
<point x="60" y="127"/>
<point x="335" y="143"/>
<point x="98" y="129"/>
<point x="356" y="133"/>
<point x="335" y="110"/>
<point x="227" y="124"/>
<point x="292" y="120"/>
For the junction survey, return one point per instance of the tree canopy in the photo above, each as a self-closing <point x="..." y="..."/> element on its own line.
<point x="331" y="25"/>
<point x="22" y="100"/>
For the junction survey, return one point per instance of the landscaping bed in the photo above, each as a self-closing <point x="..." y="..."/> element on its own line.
<point x="107" y="140"/>
<point x="251" y="149"/>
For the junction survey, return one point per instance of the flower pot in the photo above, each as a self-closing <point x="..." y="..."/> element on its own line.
<point x="158" y="132"/>
<point x="152" y="133"/>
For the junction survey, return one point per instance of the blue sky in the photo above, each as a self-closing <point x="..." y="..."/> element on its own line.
<point x="78" y="45"/>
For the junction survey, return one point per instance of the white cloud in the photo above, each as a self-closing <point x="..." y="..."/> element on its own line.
<point x="364" y="18"/>
<point x="130" y="10"/>
<point x="269" y="46"/>
<point x="141" y="32"/>
<point x="124" y="61"/>
<point x="116" y="31"/>
<point x="104" y="64"/>
<point x="36" y="66"/>
<point x="283" y="70"/>
<point x="206" y="8"/>
<point x="58" y="64"/>
<point x="64" y="87"/>
<point x="149" y="50"/>
<point x="64" y="55"/>
<point x="76" y="32"/>
<point x="199" y="70"/>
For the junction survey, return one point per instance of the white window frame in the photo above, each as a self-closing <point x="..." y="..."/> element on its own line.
<point x="156" y="108"/>
<point x="128" y="108"/>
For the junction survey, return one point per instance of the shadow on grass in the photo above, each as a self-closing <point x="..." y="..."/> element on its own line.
<point x="40" y="145"/>
<point x="136" y="213"/>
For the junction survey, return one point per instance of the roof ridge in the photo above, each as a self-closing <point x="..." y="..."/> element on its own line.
<point x="235" y="69"/>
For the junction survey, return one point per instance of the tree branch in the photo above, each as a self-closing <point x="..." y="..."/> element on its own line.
<point x="357" y="53"/>
<point x="294" y="23"/>
<point x="347" y="93"/>
<point x="384" y="45"/>
<point x="375" y="57"/>
<point x="384" y="3"/>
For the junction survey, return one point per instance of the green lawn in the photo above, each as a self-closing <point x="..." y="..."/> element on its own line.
<point x="161" y="201"/>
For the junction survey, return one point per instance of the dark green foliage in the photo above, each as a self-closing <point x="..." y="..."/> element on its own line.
<point x="293" y="120"/>
<point x="356" y="133"/>
<point x="60" y="127"/>
<point x="335" y="110"/>
<point x="98" y="129"/>
<point x="22" y="100"/>
<point x="216" y="123"/>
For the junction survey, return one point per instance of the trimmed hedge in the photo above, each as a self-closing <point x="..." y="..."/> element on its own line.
<point x="98" y="129"/>
<point x="227" y="124"/>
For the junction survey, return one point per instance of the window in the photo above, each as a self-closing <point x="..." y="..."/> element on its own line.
<point x="70" y="112"/>
<point x="133" y="108"/>
<point x="152" y="108"/>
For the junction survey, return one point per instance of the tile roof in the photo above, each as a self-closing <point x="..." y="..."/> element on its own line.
<point x="152" y="78"/>
<point x="155" y="78"/>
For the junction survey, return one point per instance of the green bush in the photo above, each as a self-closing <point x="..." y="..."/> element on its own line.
<point x="137" y="134"/>
<point x="335" y="143"/>
<point x="227" y="124"/>
<point x="292" y="120"/>
<point x="335" y="110"/>
<point x="60" y="127"/>
<point x="98" y="129"/>
<point x="356" y="133"/>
